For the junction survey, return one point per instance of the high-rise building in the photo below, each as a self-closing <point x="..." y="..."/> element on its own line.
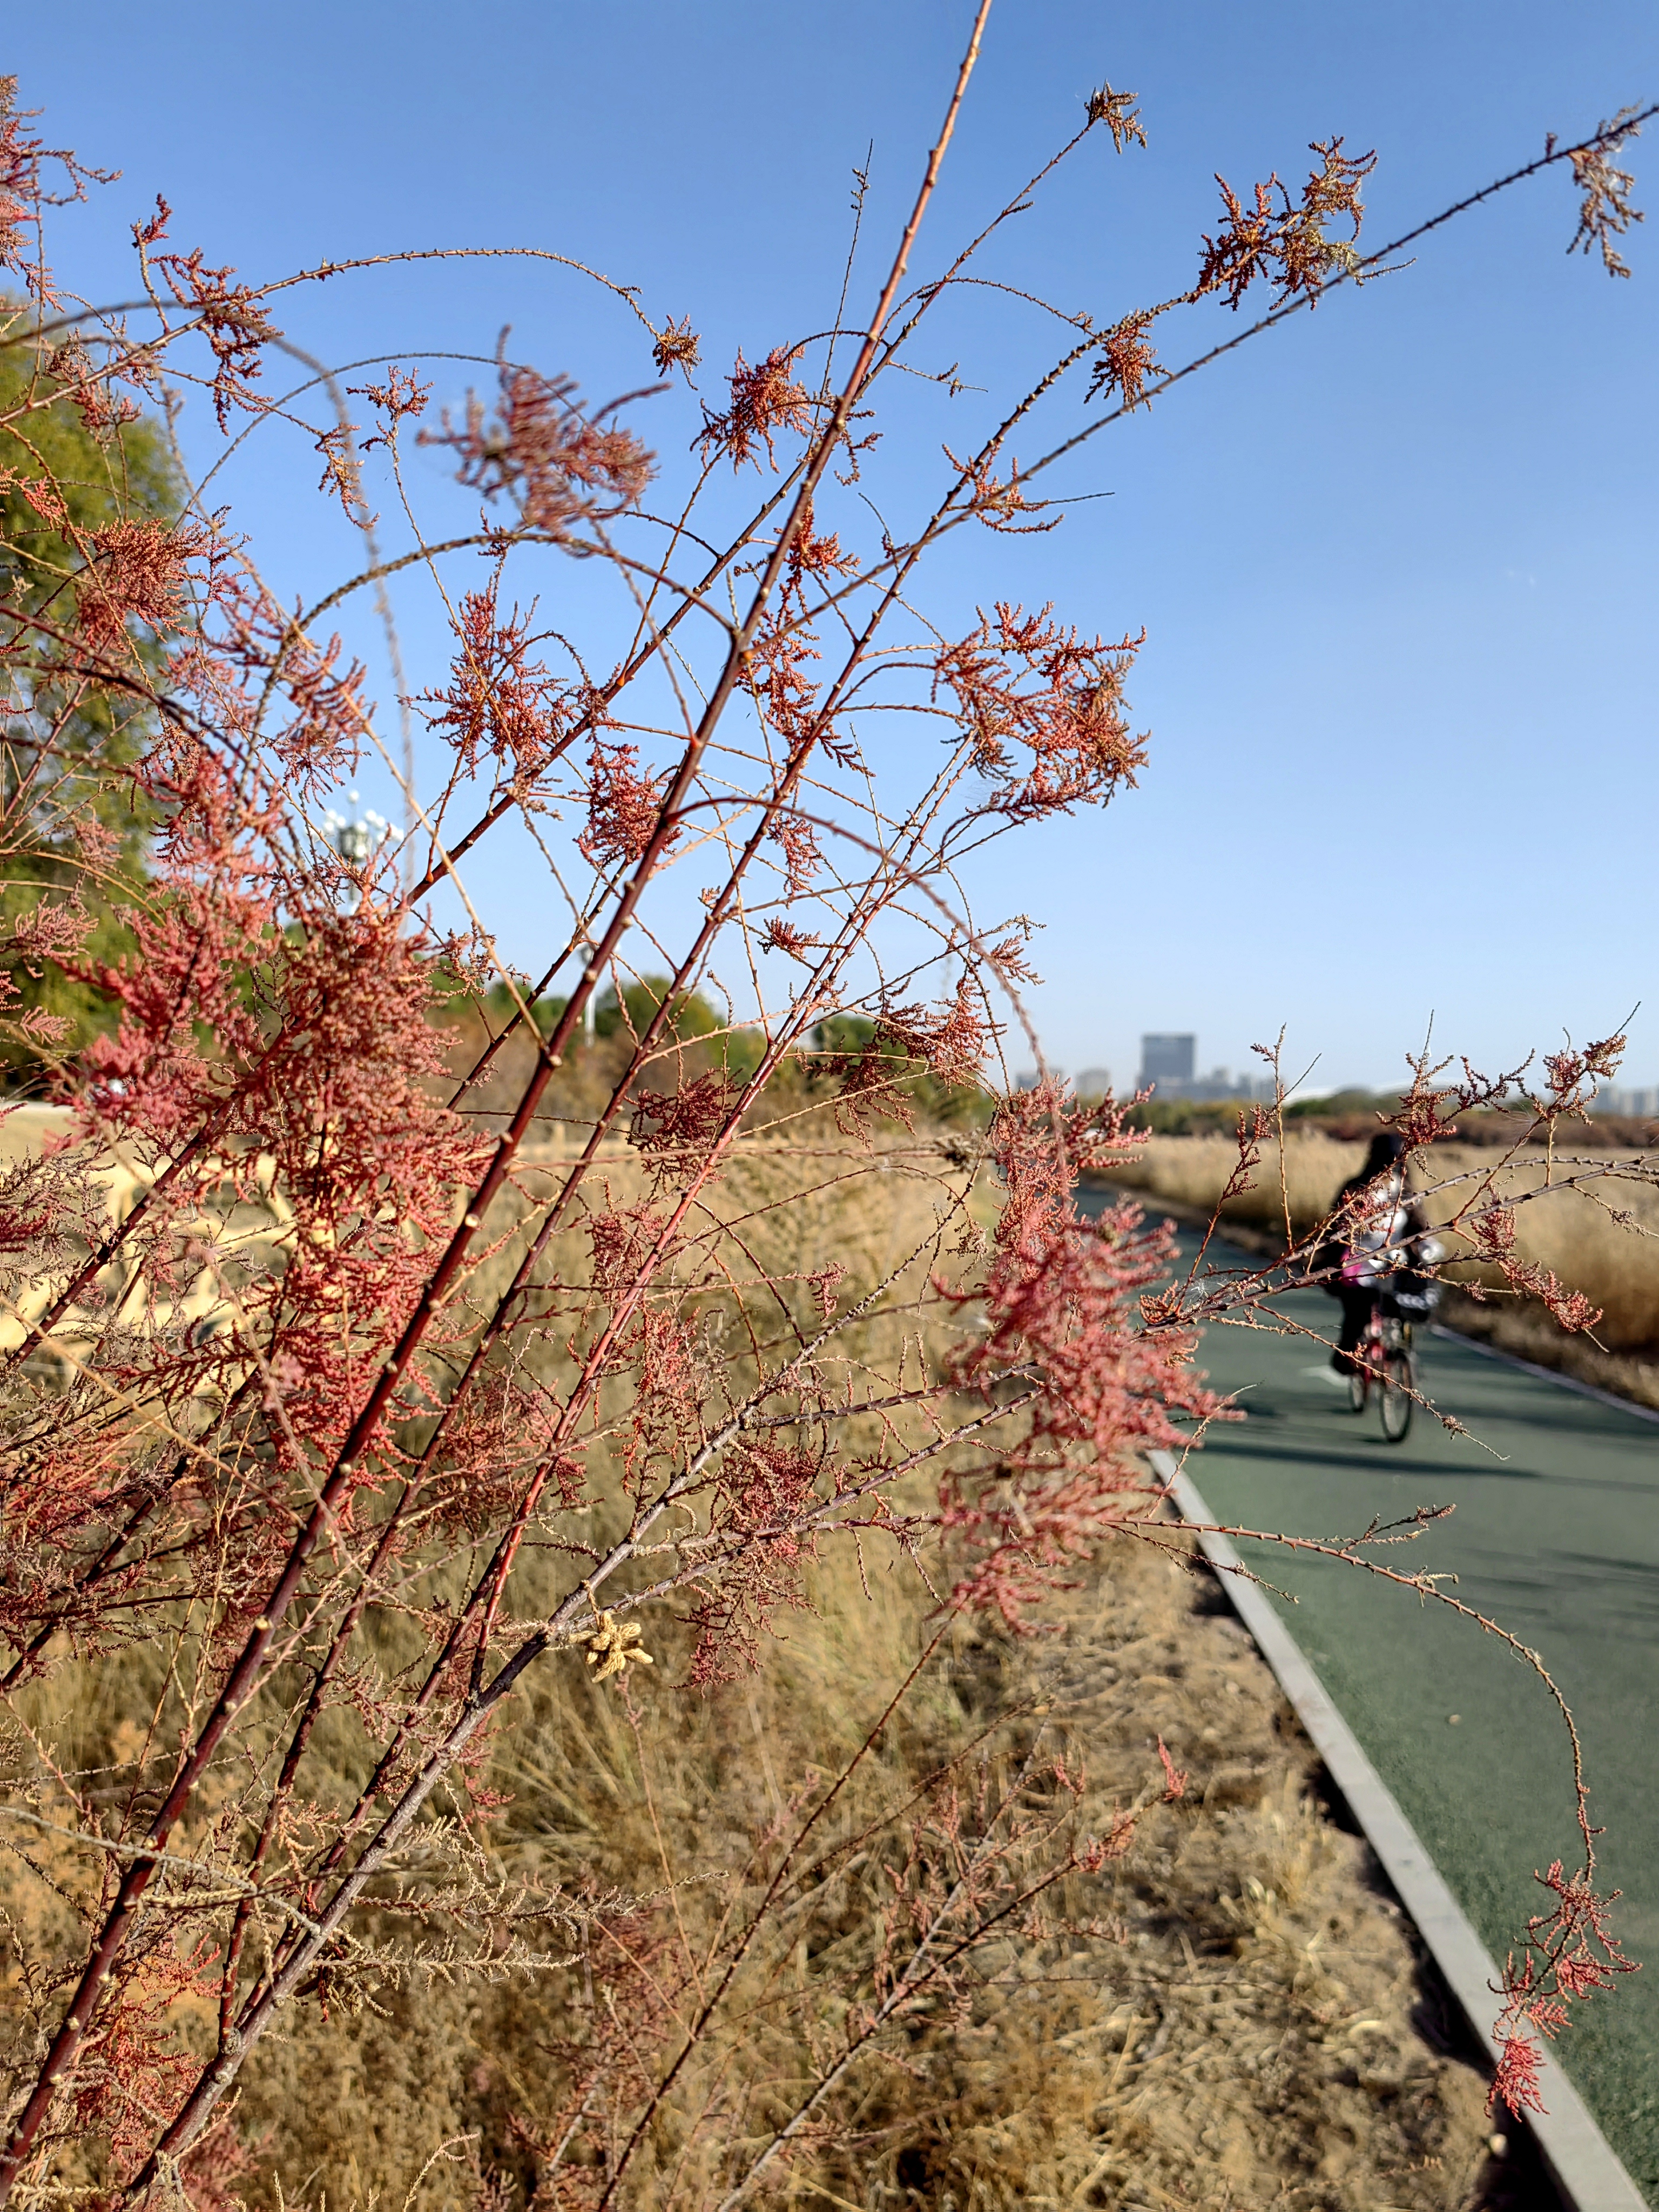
<point x="1169" y="1061"/>
<point x="1638" y="1105"/>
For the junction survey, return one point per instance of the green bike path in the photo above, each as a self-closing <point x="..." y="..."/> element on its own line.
<point x="1555" y="1535"/>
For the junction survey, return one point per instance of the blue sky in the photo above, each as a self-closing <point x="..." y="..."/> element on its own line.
<point x="1397" y="561"/>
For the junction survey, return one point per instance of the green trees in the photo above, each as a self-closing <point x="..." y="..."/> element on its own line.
<point x="690" y="1015"/>
<point x="77" y="492"/>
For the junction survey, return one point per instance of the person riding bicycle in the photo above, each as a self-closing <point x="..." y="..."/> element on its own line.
<point x="1381" y="1251"/>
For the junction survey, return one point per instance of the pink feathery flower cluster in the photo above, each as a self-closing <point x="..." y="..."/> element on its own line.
<point x="1061" y="1302"/>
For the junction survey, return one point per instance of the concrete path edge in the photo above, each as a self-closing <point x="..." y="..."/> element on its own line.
<point x="1582" y="2163"/>
<point x="1547" y="1374"/>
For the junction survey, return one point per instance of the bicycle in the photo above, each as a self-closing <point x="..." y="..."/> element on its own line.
<point x="1384" y="1360"/>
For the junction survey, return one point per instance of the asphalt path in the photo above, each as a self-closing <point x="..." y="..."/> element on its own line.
<point x="1555" y="1535"/>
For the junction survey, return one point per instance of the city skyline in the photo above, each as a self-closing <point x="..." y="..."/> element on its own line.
<point x="1174" y="1072"/>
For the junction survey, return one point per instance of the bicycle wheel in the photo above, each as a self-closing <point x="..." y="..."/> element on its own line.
<point x="1396" y="1402"/>
<point x="1359" y="1386"/>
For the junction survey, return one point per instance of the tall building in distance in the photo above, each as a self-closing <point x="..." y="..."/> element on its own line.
<point x="1169" y="1061"/>
<point x="1639" y="1105"/>
<point x="1168" y="1068"/>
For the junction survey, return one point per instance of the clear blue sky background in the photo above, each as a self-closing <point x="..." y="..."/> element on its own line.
<point x="1397" y="561"/>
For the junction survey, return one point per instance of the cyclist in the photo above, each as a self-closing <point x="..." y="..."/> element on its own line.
<point x="1382" y="1249"/>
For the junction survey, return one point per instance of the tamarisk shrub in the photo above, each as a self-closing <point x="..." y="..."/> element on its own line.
<point x="358" y="1378"/>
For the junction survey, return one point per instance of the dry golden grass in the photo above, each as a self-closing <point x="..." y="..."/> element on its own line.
<point x="1192" y="1172"/>
<point x="1252" y="2032"/>
<point x="1243" y="2022"/>
<point x="1249" y="1936"/>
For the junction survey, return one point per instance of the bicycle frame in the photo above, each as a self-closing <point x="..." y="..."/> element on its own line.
<point x="1384" y="1360"/>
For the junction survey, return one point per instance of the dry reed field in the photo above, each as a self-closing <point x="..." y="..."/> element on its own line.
<point x="1232" y="2009"/>
<point x="1600" y="1236"/>
<point x="1243" y="2021"/>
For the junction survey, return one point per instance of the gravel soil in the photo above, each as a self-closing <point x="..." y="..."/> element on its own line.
<point x="1270" y="2031"/>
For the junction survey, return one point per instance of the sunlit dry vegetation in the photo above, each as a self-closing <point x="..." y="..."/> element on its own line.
<point x="1223" y="1992"/>
<point x="433" y="1392"/>
<point x="1233" y="1999"/>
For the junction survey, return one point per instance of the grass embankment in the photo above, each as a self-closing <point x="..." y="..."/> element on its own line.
<point x="1614" y="1262"/>
<point x="1232" y="2012"/>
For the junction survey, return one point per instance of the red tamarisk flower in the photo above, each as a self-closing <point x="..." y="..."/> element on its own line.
<point x="235" y="322"/>
<point x="500" y="702"/>
<point x="1061" y="1302"/>
<point x="541" y="450"/>
<point x="623" y="807"/>
<point x="765" y="400"/>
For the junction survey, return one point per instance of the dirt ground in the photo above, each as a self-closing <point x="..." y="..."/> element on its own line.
<point x="1275" y="2035"/>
